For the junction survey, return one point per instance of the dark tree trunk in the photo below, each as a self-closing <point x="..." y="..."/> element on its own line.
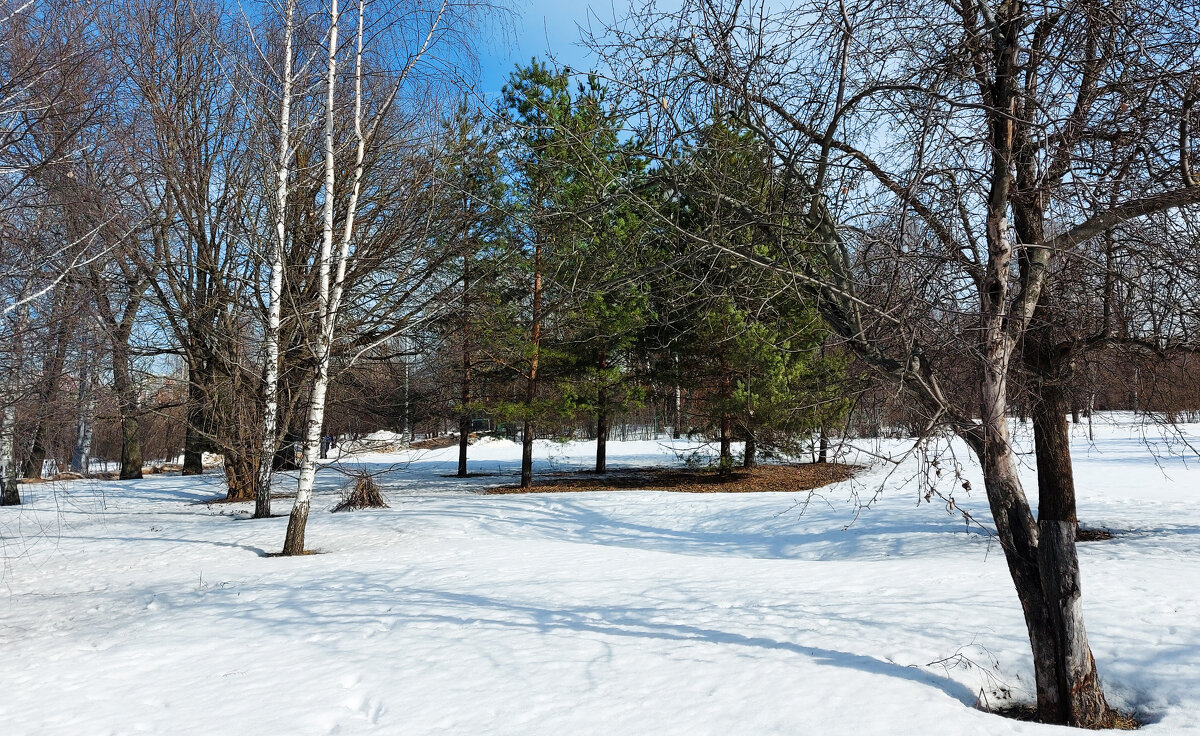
<point x="823" y="447"/>
<point x="1079" y="697"/>
<point x="464" y="416"/>
<point x="241" y="474"/>
<point x="535" y="339"/>
<point x="464" y="438"/>
<point x="197" y="436"/>
<point x="127" y="402"/>
<point x="36" y="460"/>
<point x="10" y="494"/>
<point x="602" y="418"/>
<point x="602" y="441"/>
<point x="749" y="458"/>
<point x="527" y="454"/>
<point x="726" y="466"/>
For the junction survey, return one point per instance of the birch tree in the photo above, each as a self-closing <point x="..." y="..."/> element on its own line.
<point x="270" y="430"/>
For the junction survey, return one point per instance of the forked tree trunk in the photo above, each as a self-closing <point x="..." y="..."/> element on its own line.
<point x="331" y="278"/>
<point x="1041" y="558"/>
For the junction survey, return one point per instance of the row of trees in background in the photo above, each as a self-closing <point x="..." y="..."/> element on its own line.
<point x="217" y="220"/>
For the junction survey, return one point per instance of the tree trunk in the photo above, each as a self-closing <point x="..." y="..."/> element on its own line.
<point x="1045" y="577"/>
<point x="602" y="417"/>
<point x="1079" y="696"/>
<point x="602" y="440"/>
<point x="535" y="339"/>
<point x="823" y="447"/>
<point x="196" y="438"/>
<point x="726" y="466"/>
<point x="36" y="460"/>
<point x="10" y="494"/>
<point x="84" y="421"/>
<point x="464" y="438"/>
<point x="127" y="403"/>
<point x="270" y="428"/>
<point x="241" y="473"/>
<point x="527" y="454"/>
<point x="749" y="457"/>
<point x="48" y="393"/>
<point x="464" y="411"/>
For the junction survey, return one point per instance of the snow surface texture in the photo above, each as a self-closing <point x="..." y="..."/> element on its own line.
<point x="132" y="607"/>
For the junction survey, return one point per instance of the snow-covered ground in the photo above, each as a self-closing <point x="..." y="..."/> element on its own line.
<point x="132" y="607"/>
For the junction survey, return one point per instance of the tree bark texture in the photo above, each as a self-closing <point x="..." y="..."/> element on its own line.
<point x="750" y="455"/>
<point x="464" y="413"/>
<point x="47" y="395"/>
<point x="535" y="339"/>
<point x="602" y="418"/>
<point x="726" y="459"/>
<point x="198" y="434"/>
<point x="10" y="494"/>
<point x="127" y="403"/>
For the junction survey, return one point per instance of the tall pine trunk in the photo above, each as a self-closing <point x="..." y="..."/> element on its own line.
<point x="726" y="467"/>
<point x="464" y="408"/>
<point x="602" y="417"/>
<point x="535" y="339"/>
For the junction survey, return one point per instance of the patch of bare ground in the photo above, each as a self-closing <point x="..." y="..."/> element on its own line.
<point x="761" y="479"/>
<point x="1114" y="720"/>
<point x="435" y="443"/>
<point x="1092" y="535"/>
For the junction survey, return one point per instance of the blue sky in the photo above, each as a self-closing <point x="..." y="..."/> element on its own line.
<point x="539" y="28"/>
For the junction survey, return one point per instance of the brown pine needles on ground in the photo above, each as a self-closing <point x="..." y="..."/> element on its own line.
<point x="760" y="479"/>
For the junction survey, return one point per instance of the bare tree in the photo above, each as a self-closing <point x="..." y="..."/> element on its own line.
<point x="941" y="158"/>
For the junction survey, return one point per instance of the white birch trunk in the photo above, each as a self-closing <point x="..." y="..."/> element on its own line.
<point x="270" y="435"/>
<point x="10" y="391"/>
<point x="331" y="289"/>
<point x="9" y="495"/>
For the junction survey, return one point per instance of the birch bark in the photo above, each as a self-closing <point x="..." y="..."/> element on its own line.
<point x="270" y="434"/>
<point x="331" y="288"/>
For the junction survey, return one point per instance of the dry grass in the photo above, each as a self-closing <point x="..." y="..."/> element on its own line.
<point x="762" y="479"/>
<point x="364" y="495"/>
<point x="1092" y="535"/>
<point x="435" y="443"/>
